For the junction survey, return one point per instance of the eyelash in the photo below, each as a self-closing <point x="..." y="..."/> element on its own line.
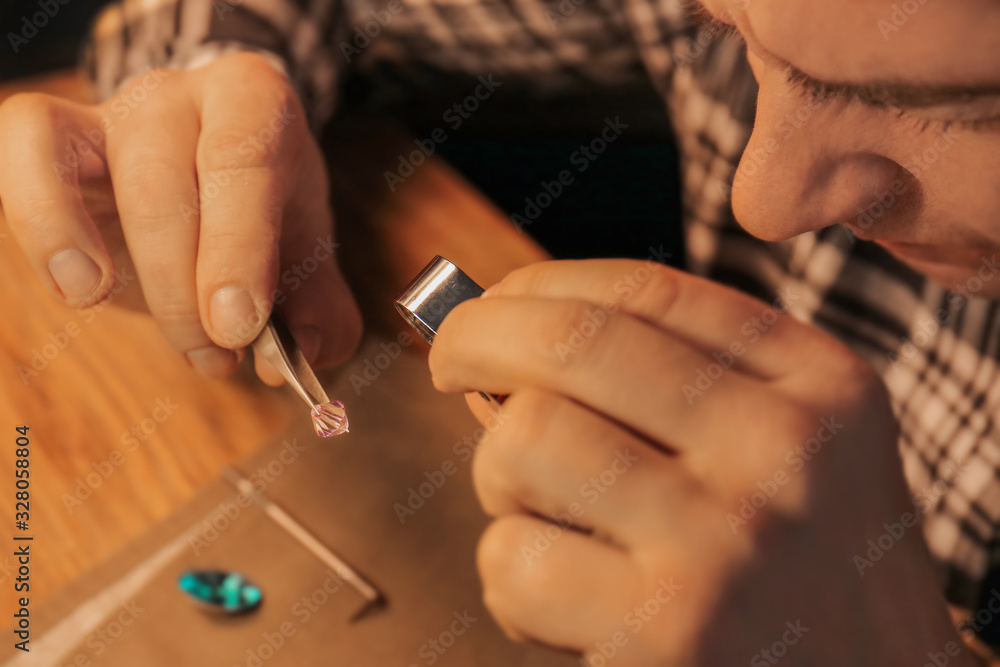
<point x="825" y="92"/>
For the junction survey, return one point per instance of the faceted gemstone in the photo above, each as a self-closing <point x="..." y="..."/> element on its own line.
<point x="329" y="419"/>
<point x="228" y="591"/>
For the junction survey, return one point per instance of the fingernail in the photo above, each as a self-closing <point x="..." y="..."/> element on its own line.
<point x="233" y="316"/>
<point x="212" y="361"/>
<point x="75" y="273"/>
<point x="492" y="291"/>
<point x="310" y="341"/>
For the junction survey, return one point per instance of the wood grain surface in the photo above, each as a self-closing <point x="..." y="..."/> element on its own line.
<point x="123" y="431"/>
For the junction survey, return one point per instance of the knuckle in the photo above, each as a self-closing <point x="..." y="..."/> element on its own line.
<point x="260" y="243"/>
<point x="493" y="553"/>
<point x="509" y="468"/>
<point x="512" y="574"/>
<point x="143" y="172"/>
<point x="231" y="148"/>
<point x="580" y="329"/>
<point x="24" y="108"/>
<point x="867" y="397"/>
<point x="484" y="479"/>
<point x="499" y="560"/>
<point x="143" y="87"/>
<point x="659" y="292"/>
<point x="29" y="120"/>
<point x="525" y="278"/>
<point x="530" y="413"/>
<point x="33" y="214"/>
<point x="276" y="132"/>
<point x="235" y="66"/>
<point x="856" y="372"/>
<point x="791" y="423"/>
<point x="176" y="314"/>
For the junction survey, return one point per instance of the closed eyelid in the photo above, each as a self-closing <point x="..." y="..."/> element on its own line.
<point x="823" y="90"/>
<point x="715" y="27"/>
<point x="972" y="106"/>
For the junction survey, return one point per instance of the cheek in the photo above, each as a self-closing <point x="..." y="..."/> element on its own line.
<point x="959" y="172"/>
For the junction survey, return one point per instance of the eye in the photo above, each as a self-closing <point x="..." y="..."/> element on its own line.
<point x="819" y="91"/>
<point x="943" y="125"/>
<point x="704" y="19"/>
<point x="824" y="92"/>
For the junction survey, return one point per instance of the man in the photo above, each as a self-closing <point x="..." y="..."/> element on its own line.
<point x="721" y="480"/>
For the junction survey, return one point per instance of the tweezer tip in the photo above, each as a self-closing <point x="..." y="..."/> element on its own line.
<point x="372" y="605"/>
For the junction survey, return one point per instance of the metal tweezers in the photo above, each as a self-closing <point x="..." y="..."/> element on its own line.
<point x="277" y="345"/>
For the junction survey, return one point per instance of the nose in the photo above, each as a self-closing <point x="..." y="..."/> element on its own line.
<point x="809" y="163"/>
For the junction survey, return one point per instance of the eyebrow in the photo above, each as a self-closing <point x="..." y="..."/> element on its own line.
<point x="897" y="94"/>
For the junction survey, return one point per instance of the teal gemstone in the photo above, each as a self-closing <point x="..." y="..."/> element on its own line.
<point x="228" y="591"/>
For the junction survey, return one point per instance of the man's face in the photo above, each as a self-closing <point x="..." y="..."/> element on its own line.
<point x="883" y="115"/>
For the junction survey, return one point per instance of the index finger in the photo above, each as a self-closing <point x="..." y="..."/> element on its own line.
<point x="246" y="160"/>
<point x="753" y="336"/>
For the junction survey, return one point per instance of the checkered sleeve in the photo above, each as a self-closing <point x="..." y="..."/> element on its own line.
<point x="132" y="36"/>
<point x="551" y="46"/>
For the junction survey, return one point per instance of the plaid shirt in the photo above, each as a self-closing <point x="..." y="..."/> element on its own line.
<point x="936" y="350"/>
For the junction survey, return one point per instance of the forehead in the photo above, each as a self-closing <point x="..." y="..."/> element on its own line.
<point x="928" y="41"/>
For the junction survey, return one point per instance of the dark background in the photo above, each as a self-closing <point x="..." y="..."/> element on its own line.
<point x="626" y="202"/>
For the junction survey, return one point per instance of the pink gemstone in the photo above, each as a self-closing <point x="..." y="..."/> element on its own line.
<point x="329" y="419"/>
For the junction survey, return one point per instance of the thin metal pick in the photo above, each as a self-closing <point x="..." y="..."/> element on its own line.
<point x="277" y="345"/>
<point x="277" y="514"/>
